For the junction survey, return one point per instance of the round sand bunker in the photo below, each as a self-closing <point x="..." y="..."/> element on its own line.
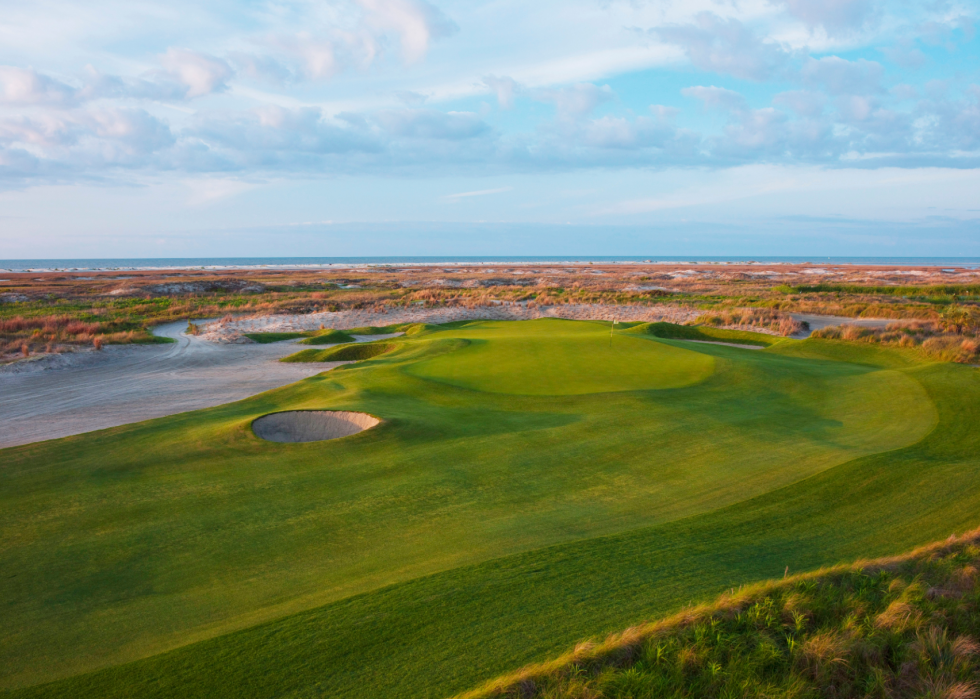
<point x="311" y="425"/>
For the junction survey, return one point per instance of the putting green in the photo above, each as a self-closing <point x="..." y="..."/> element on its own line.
<point x="551" y="357"/>
<point x="482" y="524"/>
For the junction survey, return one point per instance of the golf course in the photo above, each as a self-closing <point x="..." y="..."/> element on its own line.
<point x="524" y="485"/>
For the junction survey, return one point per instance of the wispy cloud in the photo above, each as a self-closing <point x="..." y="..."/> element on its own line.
<point x="477" y="193"/>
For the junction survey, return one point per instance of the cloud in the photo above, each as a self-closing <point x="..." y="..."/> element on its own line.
<point x="356" y="36"/>
<point x="725" y="46"/>
<point x="25" y="86"/>
<point x="717" y="97"/>
<point x="431" y="124"/>
<point x="98" y="137"/>
<point x="505" y="89"/>
<point x="842" y="77"/>
<point x="904" y="53"/>
<point x="803" y="102"/>
<point x="576" y="100"/>
<point x="832" y="15"/>
<point x="477" y="193"/>
<point x="415" y="22"/>
<point x="200" y="73"/>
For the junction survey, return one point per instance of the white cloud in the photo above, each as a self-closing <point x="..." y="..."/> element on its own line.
<point x="716" y="97"/>
<point x="725" y="45"/>
<point x="25" y="86"/>
<point x="415" y="22"/>
<point x="200" y="73"/>
<point x="431" y="124"/>
<point x="832" y="15"/>
<point x="477" y="193"/>
<point x="575" y="100"/>
<point x="842" y="77"/>
<point x="505" y="89"/>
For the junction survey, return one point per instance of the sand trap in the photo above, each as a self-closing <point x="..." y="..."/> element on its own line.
<point x="311" y="425"/>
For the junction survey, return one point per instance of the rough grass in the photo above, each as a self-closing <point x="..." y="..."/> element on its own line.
<point x="328" y="337"/>
<point x="903" y="626"/>
<point x="267" y="338"/>
<point x="354" y="352"/>
<point x="473" y="532"/>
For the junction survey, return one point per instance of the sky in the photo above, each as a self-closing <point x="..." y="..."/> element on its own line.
<point x="489" y="127"/>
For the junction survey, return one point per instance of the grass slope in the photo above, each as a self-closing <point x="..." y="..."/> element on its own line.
<point x="328" y="337"/>
<point x="268" y="338"/>
<point x="345" y="353"/>
<point x="903" y="626"/>
<point x="671" y="331"/>
<point x="474" y="531"/>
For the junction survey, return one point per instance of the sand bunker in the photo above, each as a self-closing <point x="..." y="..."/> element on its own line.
<point x="312" y="425"/>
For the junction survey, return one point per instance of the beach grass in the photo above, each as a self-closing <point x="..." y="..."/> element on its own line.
<point x="493" y="519"/>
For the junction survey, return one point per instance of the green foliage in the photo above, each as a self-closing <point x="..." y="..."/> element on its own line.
<point x="474" y="530"/>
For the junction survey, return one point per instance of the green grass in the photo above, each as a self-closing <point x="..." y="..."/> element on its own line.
<point x="328" y="337"/>
<point x="898" y="626"/>
<point x="476" y="529"/>
<point x="354" y="352"/>
<point x="704" y="334"/>
<point x="267" y="338"/>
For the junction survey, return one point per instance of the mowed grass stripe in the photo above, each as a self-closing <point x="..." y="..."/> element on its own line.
<point x="128" y="542"/>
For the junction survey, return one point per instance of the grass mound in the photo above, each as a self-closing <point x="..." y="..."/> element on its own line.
<point x="670" y="331"/>
<point x="354" y="352"/>
<point x="904" y="626"/>
<point x="328" y="337"/>
<point x="377" y="330"/>
<point x="268" y="338"/>
<point x="545" y="357"/>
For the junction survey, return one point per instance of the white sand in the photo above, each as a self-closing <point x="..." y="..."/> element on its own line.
<point x="86" y="391"/>
<point x="311" y="425"/>
<point x="233" y="331"/>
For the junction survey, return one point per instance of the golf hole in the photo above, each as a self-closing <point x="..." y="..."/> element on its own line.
<point x="311" y="425"/>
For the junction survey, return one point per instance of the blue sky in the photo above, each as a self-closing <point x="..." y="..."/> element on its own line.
<point x="400" y="127"/>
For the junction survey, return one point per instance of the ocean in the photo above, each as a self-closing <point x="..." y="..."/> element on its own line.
<point x="229" y="263"/>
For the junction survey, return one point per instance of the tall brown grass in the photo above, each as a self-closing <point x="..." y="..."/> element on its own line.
<point x="931" y="338"/>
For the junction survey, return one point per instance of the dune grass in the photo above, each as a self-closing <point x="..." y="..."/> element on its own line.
<point x="475" y="530"/>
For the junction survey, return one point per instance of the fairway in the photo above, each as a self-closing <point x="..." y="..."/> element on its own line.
<point x="530" y="484"/>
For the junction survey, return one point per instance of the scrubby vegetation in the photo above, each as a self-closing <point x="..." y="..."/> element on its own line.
<point x="125" y="306"/>
<point x="905" y="626"/>
<point x="755" y="319"/>
<point x="954" y="338"/>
